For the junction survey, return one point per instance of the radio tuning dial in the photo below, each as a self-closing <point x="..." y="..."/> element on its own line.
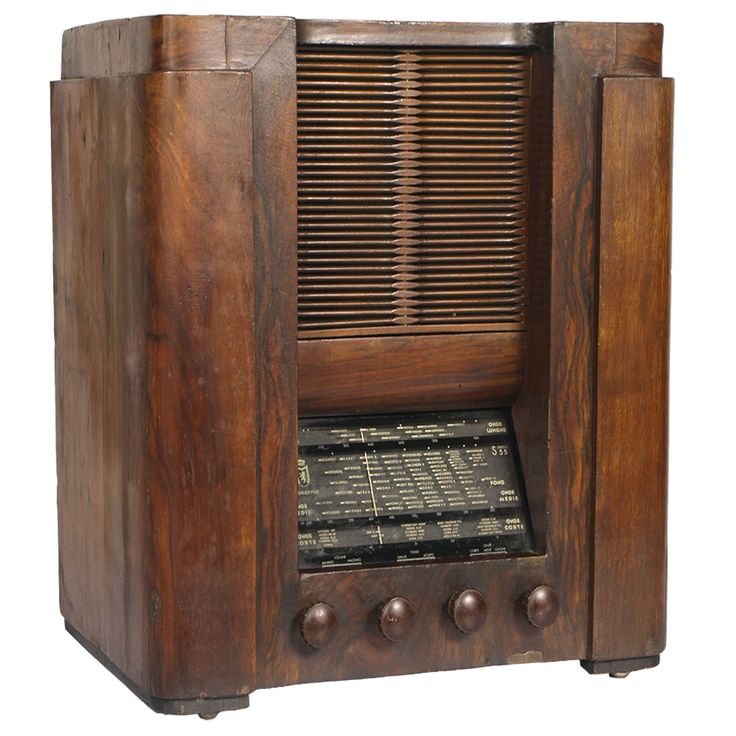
<point x="396" y="618"/>
<point x="319" y="625"/>
<point x="467" y="610"/>
<point x="541" y="606"/>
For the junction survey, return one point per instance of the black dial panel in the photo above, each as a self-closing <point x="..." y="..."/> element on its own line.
<point x="398" y="488"/>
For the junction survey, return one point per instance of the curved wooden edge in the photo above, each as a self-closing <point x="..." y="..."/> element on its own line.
<point x="210" y="42"/>
<point x="162" y="43"/>
<point x="201" y="483"/>
<point x="168" y="706"/>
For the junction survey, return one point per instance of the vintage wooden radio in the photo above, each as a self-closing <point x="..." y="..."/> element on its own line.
<point x="362" y="347"/>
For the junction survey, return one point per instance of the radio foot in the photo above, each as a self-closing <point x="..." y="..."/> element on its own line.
<point x="618" y="668"/>
<point x="208" y="716"/>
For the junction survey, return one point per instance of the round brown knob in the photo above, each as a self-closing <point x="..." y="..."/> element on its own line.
<point x="467" y="609"/>
<point x="396" y="617"/>
<point x="541" y="606"/>
<point x="319" y="625"/>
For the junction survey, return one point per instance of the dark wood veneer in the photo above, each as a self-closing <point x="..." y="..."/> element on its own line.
<point x="180" y="377"/>
<point x="632" y="369"/>
<point x="379" y="374"/>
<point x="154" y="435"/>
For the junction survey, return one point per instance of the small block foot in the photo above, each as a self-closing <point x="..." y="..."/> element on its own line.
<point x="619" y="675"/>
<point x="618" y="668"/>
<point x="208" y="716"/>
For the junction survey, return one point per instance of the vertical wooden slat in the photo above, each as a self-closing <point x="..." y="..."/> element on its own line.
<point x="567" y="390"/>
<point x="201" y="491"/>
<point x="629" y="575"/>
<point x="531" y="407"/>
<point x="274" y="170"/>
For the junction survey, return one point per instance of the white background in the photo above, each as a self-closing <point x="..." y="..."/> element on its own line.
<point x="48" y="681"/>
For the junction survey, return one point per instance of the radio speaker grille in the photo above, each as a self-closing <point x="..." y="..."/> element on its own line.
<point x="412" y="189"/>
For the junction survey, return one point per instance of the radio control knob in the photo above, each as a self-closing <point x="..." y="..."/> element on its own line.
<point x="319" y="625"/>
<point x="541" y="606"/>
<point x="467" y="610"/>
<point x="396" y="618"/>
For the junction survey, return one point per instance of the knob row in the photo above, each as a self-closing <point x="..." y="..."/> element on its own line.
<point x="467" y="610"/>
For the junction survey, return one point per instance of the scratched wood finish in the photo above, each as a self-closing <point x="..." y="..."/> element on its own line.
<point x="212" y="353"/>
<point x="154" y="429"/>
<point x="100" y="296"/>
<point x="629" y="550"/>
<point x="201" y="383"/>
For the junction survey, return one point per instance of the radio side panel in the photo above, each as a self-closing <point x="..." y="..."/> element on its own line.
<point x="101" y="298"/>
<point x="155" y="315"/>
<point x="629" y="546"/>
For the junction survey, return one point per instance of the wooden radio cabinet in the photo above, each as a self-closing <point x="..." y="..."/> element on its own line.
<point x="361" y="348"/>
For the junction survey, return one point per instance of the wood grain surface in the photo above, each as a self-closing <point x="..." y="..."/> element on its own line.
<point x="101" y="292"/>
<point x="380" y="374"/>
<point x="274" y="108"/>
<point x="629" y="546"/>
<point x="161" y="43"/>
<point x="201" y="389"/>
<point x="156" y="402"/>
